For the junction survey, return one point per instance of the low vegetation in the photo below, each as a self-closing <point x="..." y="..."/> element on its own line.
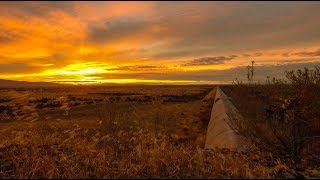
<point x="122" y="143"/>
<point x="114" y="147"/>
<point x="282" y="116"/>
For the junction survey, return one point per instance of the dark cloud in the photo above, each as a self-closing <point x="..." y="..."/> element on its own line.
<point x="28" y="8"/>
<point x="150" y="67"/>
<point x="18" y="67"/>
<point x="5" y="39"/>
<point x="252" y="55"/>
<point x="197" y="28"/>
<point x="299" y="60"/>
<point x="18" y="64"/>
<point x="209" y="61"/>
<point x="115" y="29"/>
<point x="7" y="35"/>
<point x="309" y="53"/>
<point x="252" y="25"/>
<point x="138" y="68"/>
<point x="72" y="81"/>
<point x="286" y="54"/>
<point x="167" y="52"/>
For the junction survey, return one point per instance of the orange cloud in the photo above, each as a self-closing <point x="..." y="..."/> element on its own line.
<point x="43" y="40"/>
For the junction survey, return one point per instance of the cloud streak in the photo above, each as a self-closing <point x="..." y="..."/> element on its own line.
<point x="150" y="39"/>
<point x="115" y="29"/>
<point x="209" y="61"/>
<point x="138" y="68"/>
<point x="309" y="53"/>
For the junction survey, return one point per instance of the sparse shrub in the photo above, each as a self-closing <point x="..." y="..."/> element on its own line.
<point x="305" y="76"/>
<point x="53" y="104"/>
<point x="44" y="151"/>
<point x="295" y="113"/>
<point x="114" y="116"/>
<point x="2" y="108"/>
<point x="5" y="100"/>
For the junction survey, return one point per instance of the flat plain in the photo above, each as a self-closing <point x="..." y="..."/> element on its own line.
<point x="133" y="131"/>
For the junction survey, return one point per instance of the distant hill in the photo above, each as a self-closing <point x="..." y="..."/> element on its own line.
<point x="10" y="83"/>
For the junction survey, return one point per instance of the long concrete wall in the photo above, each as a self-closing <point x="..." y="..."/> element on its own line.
<point x="221" y="133"/>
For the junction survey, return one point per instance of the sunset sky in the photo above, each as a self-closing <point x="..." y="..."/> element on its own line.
<point x="156" y="42"/>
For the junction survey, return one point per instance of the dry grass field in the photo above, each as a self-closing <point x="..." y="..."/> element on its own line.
<point x="280" y="132"/>
<point x="45" y="116"/>
<point x="176" y="110"/>
<point x="121" y="132"/>
<point x="283" y="117"/>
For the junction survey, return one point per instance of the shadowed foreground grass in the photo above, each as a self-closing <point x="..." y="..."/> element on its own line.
<point x="54" y="151"/>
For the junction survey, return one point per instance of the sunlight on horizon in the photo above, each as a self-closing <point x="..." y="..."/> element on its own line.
<point x="148" y="42"/>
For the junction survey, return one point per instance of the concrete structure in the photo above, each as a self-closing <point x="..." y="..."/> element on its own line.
<point x="210" y="95"/>
<point x="221" y="132"/>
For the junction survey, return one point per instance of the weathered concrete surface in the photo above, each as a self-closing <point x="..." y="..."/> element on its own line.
<point x="211" y="95"/>
<point x="221" y="133"/>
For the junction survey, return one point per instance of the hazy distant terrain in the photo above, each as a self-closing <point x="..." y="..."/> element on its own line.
<point x="10" y="83"/>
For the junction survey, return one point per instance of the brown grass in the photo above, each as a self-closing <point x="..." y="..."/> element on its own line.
<point x="296" y="138"/>
<point x="120" y="145"/>
<point x="50" y="152"/>
<point x="114" y="147"/>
